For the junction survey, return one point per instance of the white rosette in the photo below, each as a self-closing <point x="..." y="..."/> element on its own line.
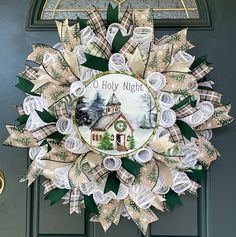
<point x="113" y="29"/>
<point x="191" y="155"/>
<point x="75" y="145"/>
<point x="167" y="118"/>
<point x="160" y="187"/>
<point x="181" y="182"/>
<point x="183" y="58"/>
<point x="123" y="192"/>
<point x="34" y="122"/>
<point x="61" y="177"/>
<point x="37" y="152"/>
<point x="207" y="134"/>
<point x="143" y="36"/>
<point x="77" y="89"/>
<point x="112" y="163"/>
<point x="65" y="126"/>
<point x="87" y="35"/>
<point x="156" y="81"/>
<point x="142" y="196"/>
<point x="165" y="100"/>
<point x="117" y="62"/>
<point x="160" y="133"/>
<point x="143" y="155"/>
<point x="205" y="111"/>
<point x="101" y="198"/>
<point x="32" y="103"/>
<point x="88" y="188"/>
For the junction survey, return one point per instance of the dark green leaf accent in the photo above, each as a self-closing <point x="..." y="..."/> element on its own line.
<point x="193" y="103"/>
<point x="96" y="63"/>
<point x="199" y="61"/>
<point x="46" y="116"/>
<point x="197" y="174"/>
<point x="56" y="136"/>
<point x="182" y="103"/>
<point x="112" y="184"/>
<point x="173" y="199"/>
<point x="25" y="86"/>
<point x="22" y="119"/>
<point x="90" y="206"/>
<point x="45" y="142"/>
<point x="82" y="23"/>
<point x="205" y="88"/>
<point x="112" y="14"/>
<point x="186" y="130"/>
<point x="131" y="166"/>
<point x="119" y="41"/>
<point x="56" y="195"/>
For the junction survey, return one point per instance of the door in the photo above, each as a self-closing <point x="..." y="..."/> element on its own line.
<point x="24" y="213"/>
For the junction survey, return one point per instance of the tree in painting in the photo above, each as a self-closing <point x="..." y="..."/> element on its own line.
<point x="131" y="143"/>
<point x="105" y="143"/>
<point x="96" y="107"/>
<point x="82" y="115"/>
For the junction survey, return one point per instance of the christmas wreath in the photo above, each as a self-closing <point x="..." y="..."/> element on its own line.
<point x="180" y="109"/>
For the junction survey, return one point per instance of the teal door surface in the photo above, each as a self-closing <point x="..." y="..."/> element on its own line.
<point x="24" y="213"/>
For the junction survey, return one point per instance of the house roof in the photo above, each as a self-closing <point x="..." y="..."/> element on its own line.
<point x="113" y="100"/>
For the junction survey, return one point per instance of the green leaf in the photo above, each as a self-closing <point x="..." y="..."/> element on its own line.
<point x="199" y="61"/>
<point x="186" y="130"/>
<point x="173" y="199"/>
<point x="205" y="88"/>
<point x="56" y="195"/>
<point x="182" y="103"/>
<point x="197" y="174"/>
<point x="22" y="119"/>
<point x="46" y="116"/>
<point x="131" y="166"/>
<point x="26" y="86"/>
<point x="82" y="23"/>
<point x="112" y="184"/>
<point x="96" y="63"/>
<point x="119" y="41"/>
<point x="90" y="206"/>
<point x="44" y="143"/>
<point x="56" y="136"/>
<point x="112" y="14"/>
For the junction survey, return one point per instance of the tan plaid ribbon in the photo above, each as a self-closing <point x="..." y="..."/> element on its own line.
<point x="185" y="111"/>
<point x="124" y="176"/>
<point x="20" y="110"/>
<point x="103" y="45"/>
<point x="201" y="71"/>
<point x="129" y="47"/>
<point x="48" y="186"/>
<point x="175" y="134"/>
<point x="126" y="19"/>
<point x="61" y="110"/>
<point x="99" y="172"/>
<point x="208" y="95"/>
<point x="194" y="187"/>
<point x="43" y="132"/>
<point x="30" y="73"/>
<point x="97" y="21"/>
<point x="75" y="201"/>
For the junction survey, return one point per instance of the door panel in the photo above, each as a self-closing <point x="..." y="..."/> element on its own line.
<point x="24" y="213"/>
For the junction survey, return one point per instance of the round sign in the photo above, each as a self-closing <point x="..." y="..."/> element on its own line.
<point x="117" y="114"/>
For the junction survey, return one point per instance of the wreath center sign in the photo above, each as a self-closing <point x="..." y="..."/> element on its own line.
<point x="116" y="120"/>
<point x="118" y="114"/>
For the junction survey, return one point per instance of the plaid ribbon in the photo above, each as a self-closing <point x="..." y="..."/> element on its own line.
<point x="194" y="187"/>
<point x="75" y="201"/>
<point x="126" y="19"/>
<point x="61" y="110"/>
<point x="175" y="134"/>
<point x="201" y="71"/>
<point x="185" y="111"/>
<point x="20" y="110"/>
<point x="208" y="95"/>
<point x="43" y="132"/>
<point x="103" y="45"/>
<point x="124" y="176"/>
<point x="129" y="47"/>
<point x="48" y="186"/>
<point x="30" y="73"/>
<point x="99" y="172"/>
<point x="97" y="21"/>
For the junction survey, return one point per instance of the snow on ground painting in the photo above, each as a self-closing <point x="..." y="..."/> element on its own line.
<point x="117" y="114"/>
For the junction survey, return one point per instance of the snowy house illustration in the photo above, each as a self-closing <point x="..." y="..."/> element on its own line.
<point x="115" y="123"/>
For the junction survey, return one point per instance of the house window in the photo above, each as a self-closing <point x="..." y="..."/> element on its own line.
<point x="100" y="137"/>
<point x="128" y="138"/>
<point x="108" y="109"/>
<point x="167" y="13"/>
<point x="112" y="137"/>
<point x="96" y="137"/>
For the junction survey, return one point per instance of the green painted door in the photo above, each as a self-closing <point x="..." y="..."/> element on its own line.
<point x="23" y="213"/>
